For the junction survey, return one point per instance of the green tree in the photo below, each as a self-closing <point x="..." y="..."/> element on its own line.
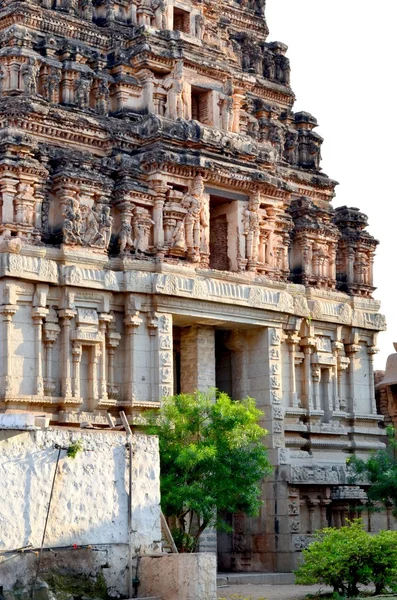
<point x="380" y="469"/>
<point x="212" y="460"/>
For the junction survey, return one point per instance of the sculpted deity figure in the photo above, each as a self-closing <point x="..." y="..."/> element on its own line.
<point x="226" y="106"/>
<point x="87" y="9"/>
<point x="159" y="8"/>
<point x="269" y="65"/>
<point x="291" y="147"/>
<point x="199" y="26"/>
<point x="125" y="236"/>
<point x="252" y="223"/>
<point x="29" y="72"/>
<point x="195" y="221"/>
<point x="142" y="227"/>
<point x="178" y="94"/>
<point x="102" y="97"/>
<point x="178" y="237"/>
<point x="51" y="85"/>
<point x="72" y="221"/>
<point x="24" y="203"/>
<point x="82" y="89"/>
<point x="106" y="224"/>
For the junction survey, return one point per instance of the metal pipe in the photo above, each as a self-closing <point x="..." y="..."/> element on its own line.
<point x="45" y="525"/>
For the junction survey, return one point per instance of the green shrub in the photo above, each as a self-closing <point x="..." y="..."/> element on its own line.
<point x="346" y="557"/>
<point x="337" y="558"/>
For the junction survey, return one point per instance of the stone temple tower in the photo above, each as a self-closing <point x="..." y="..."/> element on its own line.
<point x="165" y="226"/>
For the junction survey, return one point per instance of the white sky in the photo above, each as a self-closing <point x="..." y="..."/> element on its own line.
<point x="343" y="71"/>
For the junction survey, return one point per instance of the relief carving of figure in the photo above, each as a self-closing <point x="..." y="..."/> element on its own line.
<point x="29" y="72"/>
<point x="102" y="97"/>
<point x="195" y="221"/>
<point x="51" y="85"/>
<point x="291" y="153"/>
<point x="87" y="10"/>
<point x="141" y="230"/>
<point x="125" y="236"/>
<point x="199" y="25"/>
<point x="178" y="240"/>
<point x="252" y="223"/>
<point x="269" y="65"/>
<point x="226" y="106"/>
<point x="82" y="89"/>
<point x="72" y="221"/>
<point x="159" y="8"/>
<point x="178" y="94"/>
<point x="24" y="204"/>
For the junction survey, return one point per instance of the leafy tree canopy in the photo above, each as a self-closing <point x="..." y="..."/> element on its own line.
<point x="212" y="460"/>
<point x="380" y="469"/>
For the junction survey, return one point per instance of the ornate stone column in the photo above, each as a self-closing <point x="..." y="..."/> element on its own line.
<point x="104" y="319"/>
<point x="351" y="351"/>
<point x="308" y="344"/>
<point x="372" y="350"/>
<point x="76" y="357"/>
<point x="324" y="503"/>
<point x="336" y="348"/>
<point x="7" y="311"/>
<point x="112" y="342"/>
<point x="160" y="188"/>
<point x="51" y="332"/>
<point x="292" y="340"/>
<point x="316" y="377"/>
<point x="66" y="315"/>
<point x="131" y="322"/>
<point x="38" y="314"/>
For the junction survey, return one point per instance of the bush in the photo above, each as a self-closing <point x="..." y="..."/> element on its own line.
<point x="346" y="557"/>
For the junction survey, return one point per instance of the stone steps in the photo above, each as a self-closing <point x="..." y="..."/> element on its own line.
<point x="224" y="579"/>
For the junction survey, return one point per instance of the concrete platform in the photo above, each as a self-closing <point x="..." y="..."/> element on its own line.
<point x="255" y="579"/>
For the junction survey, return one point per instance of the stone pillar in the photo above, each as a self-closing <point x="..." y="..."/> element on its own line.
<point x="351" y="351"/>
<point x="38" y="314"/>
<point x="197" y="358"/>
<point x="160" y="188"/>
<point x="104" y="319"/>
<point x="66" y="316"/>
<point x="372" y="350"/>
<point x="324" y="503"/>
<point x="131" y="322"/>
<point x="237" y="342"/>
<point x="292" y="341"/>
<point x="7" y="311"/>
<point x="51" y="332"/>
<point x="76" y="356"/>
<point x="112" y="342"/>
<point x="94" y="376"/>
<point x="160" y="330"/>
<point x="308" y="344"/>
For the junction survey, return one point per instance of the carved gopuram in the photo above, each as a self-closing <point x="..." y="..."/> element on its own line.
<point x="165" y="226"/>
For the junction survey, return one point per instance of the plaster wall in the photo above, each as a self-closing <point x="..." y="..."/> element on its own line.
<point x="90" y="499"/>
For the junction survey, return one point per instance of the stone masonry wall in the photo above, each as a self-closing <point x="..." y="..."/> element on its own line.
<point x="90" y="499"/>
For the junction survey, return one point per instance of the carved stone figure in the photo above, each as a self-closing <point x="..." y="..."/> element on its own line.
<point x="159" y="8"/>
<point x="29" y="72"/>
<point x="82" y="91"/>
<point x="252" y="221"/>
<point x="125" y="237"/>
<point x="102" y="97"/>
<point x="142" y="226"/>
<point x="72" y="221"/>
<point x="178" y="240"/>
<point x="199" y="24"/>
<point x="195" y="221"/>
<point x="51" y="85"/>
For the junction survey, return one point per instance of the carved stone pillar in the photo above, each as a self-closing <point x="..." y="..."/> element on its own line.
<point x="76" y="356"/>
<point x="38" y="314"/>
<point x="351" y="351"/>
<point x="112" y="342"/>
<point x="324" y="503"/>
<point x="312" y="505"/>
<point x="96" y="351"/>
<point x="51" y="332"/>
<point x="372" y="350"/>
<point x="292" y="340"/>
<point x="7" y="311"/>
<point x="131" y="322"/>
<point x="104" y="319"/>
<point x="66" y="316"/>
<point x="336" y="348"/>
<point x="308" y="345"/>
<point x="160" y="330"/>
<point x="160" y="188"/>
<point x="237" y="101"/>
<point x="316" y="377"/>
